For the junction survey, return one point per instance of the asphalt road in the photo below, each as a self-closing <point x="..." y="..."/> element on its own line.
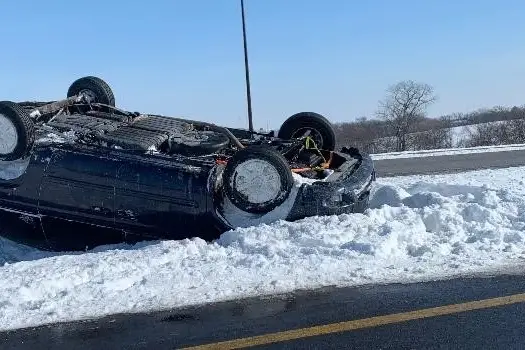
<point x="494" y="325"/>
<point x="373" y="317"/>
<point x="449" y="164"/>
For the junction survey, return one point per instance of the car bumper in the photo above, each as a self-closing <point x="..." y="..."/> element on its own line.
<point x="348" y="193"/>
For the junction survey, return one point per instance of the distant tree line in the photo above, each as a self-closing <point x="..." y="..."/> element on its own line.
<point x="401" y="123"/>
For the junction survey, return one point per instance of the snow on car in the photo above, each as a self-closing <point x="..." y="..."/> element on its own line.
<point x="80" y="172"/>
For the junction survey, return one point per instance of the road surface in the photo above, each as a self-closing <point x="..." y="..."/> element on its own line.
<point x="449" y="164"/>
<point x="458" y="323"/>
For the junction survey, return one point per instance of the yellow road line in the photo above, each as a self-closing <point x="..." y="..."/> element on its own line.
<point x="345" y="326"/>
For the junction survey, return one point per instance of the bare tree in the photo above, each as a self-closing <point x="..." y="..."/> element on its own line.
<point x="502" y="132"/>
<point x="431" y="139"/>
<point x="404" y="105"/>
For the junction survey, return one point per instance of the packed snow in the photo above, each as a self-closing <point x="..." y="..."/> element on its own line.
<point x="238" y="218"/>
<point x="418" y="228"/>
<point x="448" y="151"/>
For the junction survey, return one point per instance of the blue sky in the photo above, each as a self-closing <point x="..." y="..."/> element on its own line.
<point x="335" y="57"/>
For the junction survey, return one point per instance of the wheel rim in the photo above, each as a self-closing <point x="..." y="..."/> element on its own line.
<point x="257" y="181"/>
<point x="89" y="94"/>
<point x="8" y="135"/>
<point x="314" y="134"/>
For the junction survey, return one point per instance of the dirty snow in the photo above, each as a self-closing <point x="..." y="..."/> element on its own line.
<point x="47" y="135"/>
<point x="238" y="218"/>
<point x="448" y="151"/>
<point x="419" y="228"/>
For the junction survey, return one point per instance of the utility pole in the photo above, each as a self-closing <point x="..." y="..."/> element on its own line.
<point x="247" y="70"/>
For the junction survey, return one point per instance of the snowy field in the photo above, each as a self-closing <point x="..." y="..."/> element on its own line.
<point x="419" y="228"/>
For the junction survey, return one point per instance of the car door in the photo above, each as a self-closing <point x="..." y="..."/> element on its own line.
<point x="77" y="198"/>
<point x="158" y="197"/>
<point x="20" y="182"/>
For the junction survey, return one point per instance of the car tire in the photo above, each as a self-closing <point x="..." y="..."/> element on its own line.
<point x="97" y="87"/>
<point x="257" y="179"/>
<point x="17" y="133"/>
<point x="321" y="129"/>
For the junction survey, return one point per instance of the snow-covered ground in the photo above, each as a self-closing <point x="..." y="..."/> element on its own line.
<point x="448" y="151"/>
<point x="419" y="228"/>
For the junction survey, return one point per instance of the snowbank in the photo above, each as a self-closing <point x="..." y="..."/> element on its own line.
<point x="420" y="228"/>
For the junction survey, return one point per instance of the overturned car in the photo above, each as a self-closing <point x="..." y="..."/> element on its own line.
<point x="80" y="172"/>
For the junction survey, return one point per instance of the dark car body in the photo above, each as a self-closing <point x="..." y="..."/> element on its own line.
<point x="78" y="195"/>
<point x="72" y="197"/>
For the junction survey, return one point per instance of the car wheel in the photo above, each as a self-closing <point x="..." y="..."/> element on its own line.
<point x="94" y="87"/>
<point x="257" y="179"/>
<point x="16" y="131"/>
<point x="320" y="129"/>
